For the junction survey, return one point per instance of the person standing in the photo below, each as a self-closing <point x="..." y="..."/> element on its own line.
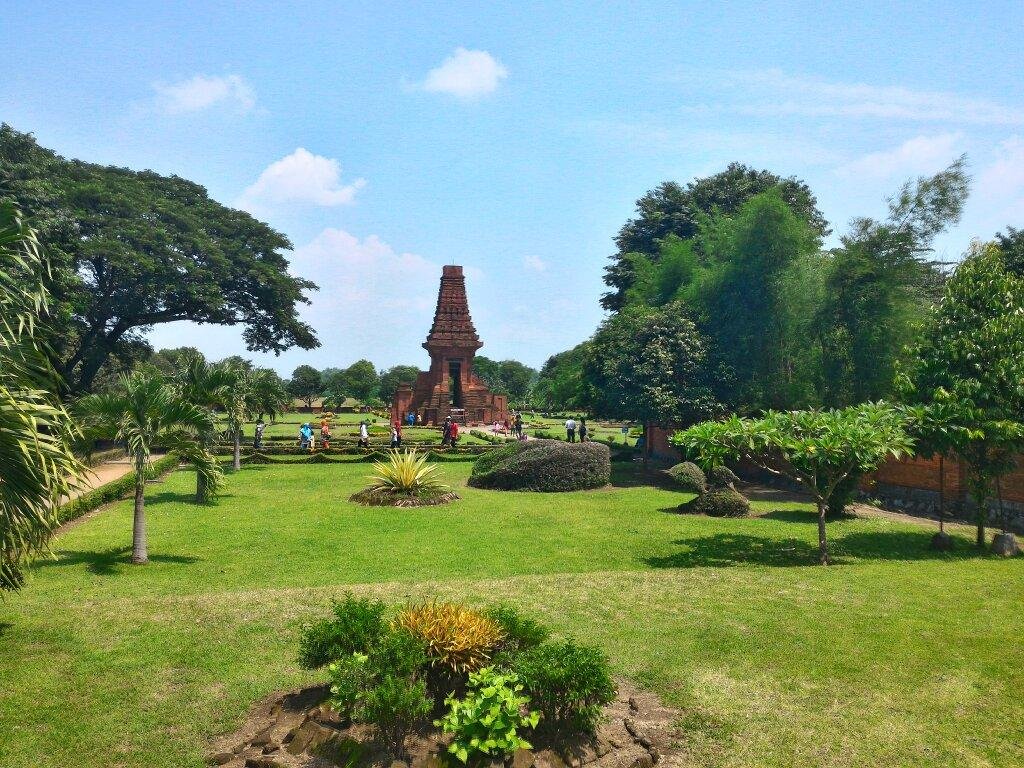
<point x="306" y="436"/>
<point x="583" y="430"/>
<point x="453" y="433"/>
<point x="257" y="439"/>
<point x="364" y="435"/>
<point x="394" y="435"/>
<point x="570" y="430"/>
<point x="519" y="425"/>
<point x="446" y="431"/>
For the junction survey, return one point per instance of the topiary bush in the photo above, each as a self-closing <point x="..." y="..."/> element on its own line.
<point x="357" y="624"/>
<point x="543" y="465"/>
<point x="719" y="502"/>
<point x="689" y="477"/>
<point x="569" y="683"/>
<point x="722" y="477"/>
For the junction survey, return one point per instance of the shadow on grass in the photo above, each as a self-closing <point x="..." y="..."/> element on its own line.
<point x="4" y="626"/>
<point x="729" y="549"/>
<point x="108" y="562"/>
<point x="631" y="474"/>
<point x="806" y="516"/>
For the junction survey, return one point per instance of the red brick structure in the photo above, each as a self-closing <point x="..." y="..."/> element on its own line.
<point x="450" y="388"/>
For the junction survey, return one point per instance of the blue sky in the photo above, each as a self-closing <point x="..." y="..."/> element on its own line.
<point x="386" y="139"/>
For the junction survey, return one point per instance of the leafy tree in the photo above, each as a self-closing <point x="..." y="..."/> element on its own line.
<point x="820" y="450"/>
<point x="360" y="380"/>
<point x="392" y="377"/>
<point x="244" y="393"/>
<point x="136" y="249"/>
<point x="517" y="379"/>
<point x="171" y="361"/>
<point x="560" y="383"/>
<point x="489" y="372"/>
<point x="36" y="433"/>
<point x="306" y="384"/>
<point x="205" y="385"/>
<point x="1012" y="246"/>
<point x="880" y="287"/>
<point x="972" y="358"/>
<point x="671" y="209"/>
<point x="146" y="413"/>
<point x="648" y="364"/>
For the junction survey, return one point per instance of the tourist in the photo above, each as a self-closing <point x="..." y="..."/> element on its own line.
<point x="325" y="430"/>
<point x="257" y="439"/>
<point x="583" y="430"/>
<point x="305" y="436"/>
<point x="570" y="430"/>
<point x="364" y="435"/>
<point x="446" y="431"/>
<point x="519" y="425"/>
<point x="453" y="432"/>
<point x="419" y="419"/>
<point x="396" y="434"/>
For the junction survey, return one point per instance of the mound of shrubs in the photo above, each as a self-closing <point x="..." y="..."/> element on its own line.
<point x="689" y="477"/>
<point x="718" y="498"/>
<point x="722" y="477"/>
<point x="543" y="465"/>
<point x="504" y="681"/>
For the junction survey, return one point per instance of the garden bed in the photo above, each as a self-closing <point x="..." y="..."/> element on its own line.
<point x="298" y="728"/>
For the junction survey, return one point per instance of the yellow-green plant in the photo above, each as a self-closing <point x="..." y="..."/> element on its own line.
<point x="406" y="472"/>
<point x="458" y="639"/>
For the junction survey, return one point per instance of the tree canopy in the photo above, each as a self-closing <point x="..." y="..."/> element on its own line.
<point x="133" y="249"/>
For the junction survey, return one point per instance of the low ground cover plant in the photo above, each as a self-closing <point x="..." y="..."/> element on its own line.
<point x="503" y="681"/>
<point x="404" y="478"/>
<point x="543" y="465"/>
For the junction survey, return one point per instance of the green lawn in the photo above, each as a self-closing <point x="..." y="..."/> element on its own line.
<point x="346" y="425"/>
<point x="891" y="657"/>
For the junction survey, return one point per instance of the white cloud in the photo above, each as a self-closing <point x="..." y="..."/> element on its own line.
<point x="999" y="186"/>
<point x="773" y="93"/>
<point x="202" y="92"/>
<point x="466" y="74"/>
<point x="919" y="155"/>
<point x="301" y="177"/>
<point x="536" y="263"/>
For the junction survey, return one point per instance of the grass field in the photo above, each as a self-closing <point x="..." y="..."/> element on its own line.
<point x="892" y="657"/>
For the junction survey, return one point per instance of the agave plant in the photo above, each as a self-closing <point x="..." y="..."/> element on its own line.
<point x="405" y="479"/>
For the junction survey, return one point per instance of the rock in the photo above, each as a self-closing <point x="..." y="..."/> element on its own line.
<point x="262" y="738"/>
<point x="522" y="758"/>
<point x="548" y="759"/>
<point x="399" y="764"/>
<point x="309" y="736"/>
<point x="428" y="760"/>
<point x="1005" y="544"/>
<point x="263" y="761"/>
<point x="941" y="542"/>
<point x="222" y="757"/>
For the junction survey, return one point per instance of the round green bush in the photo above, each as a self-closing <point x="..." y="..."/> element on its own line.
<point x="543" y="465"/>
<point x="689" y="477"/>
<point x="721" y="477"/>
<point x="720" y="502"/>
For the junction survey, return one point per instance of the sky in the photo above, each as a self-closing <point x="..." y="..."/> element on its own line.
<point x="387" y="139"/>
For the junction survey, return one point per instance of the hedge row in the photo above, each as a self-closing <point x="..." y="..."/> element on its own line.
<point x="294" y="450"/>
<point x="331" y="457"/>
<point x="543" y="465"/>
<point x="114" y="490"/>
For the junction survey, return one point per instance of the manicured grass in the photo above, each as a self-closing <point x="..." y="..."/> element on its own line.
<point x="892" y="657"/>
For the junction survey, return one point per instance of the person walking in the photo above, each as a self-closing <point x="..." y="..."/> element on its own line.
<point x="257" y="438"/>
<point x="583" y="430"/>
<point x="306" y="436"/>
<point x="519" y="425"/>
<point x="570" y="430"/>
<point x="446" y="431"/>
<point x="364" y="435"/>
<point x="453" y="433"/>
<point x="396" y="434"/>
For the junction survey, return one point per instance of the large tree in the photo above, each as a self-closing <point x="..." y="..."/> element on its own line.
<point x="972" y="357"/>
<point x="672" y="209"/>
<point x="136" y="249"/>
<point x="648" y="364"/>
<point x="307" y="384"/>
<point x="37" y="465"/>
<point x="560" y="384"/>
<point x="392" y="377"/>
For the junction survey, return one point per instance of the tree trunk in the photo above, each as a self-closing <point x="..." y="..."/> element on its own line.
<point x="999" y="498"/>
<point x="822" y="543"/>
<point x="982" y="514"/>
<point x="201" y="493"/>
<point x="238" y="450"/>
<point x="139" y="553"/>
<point x="942" y="491"/>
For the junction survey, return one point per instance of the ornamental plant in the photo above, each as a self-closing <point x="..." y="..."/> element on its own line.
<point x="355" y="627"/>
<point x="458" y="639"/>
<point x="404" y="478"/>
<point x="820" y="450"/>
<point x="486" y="723"/>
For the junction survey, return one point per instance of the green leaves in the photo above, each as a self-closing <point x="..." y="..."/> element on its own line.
<point x="487" y="721"/>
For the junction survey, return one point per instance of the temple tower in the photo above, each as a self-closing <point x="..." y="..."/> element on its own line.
<point x="450" y="388"/>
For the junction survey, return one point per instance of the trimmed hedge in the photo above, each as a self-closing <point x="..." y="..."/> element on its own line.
<point x="719" y="502"/>
<point x="689" y="477"/>
<point x="543" y="465"/>
<point x="114" y="490"/>
<point x="721" y="477"/>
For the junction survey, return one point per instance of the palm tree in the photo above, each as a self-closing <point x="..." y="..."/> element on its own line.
<point x="248" y="392"/>
<point x="202" y="384"/>
<point x="144" y="413"/>
<point x="37" y="465"/>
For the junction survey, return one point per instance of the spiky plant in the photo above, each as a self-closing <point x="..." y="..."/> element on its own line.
<point x="405" y="479"/>
<point x="458" y="639"/>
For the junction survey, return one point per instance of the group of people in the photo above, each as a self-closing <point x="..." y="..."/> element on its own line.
<point x="571" y="427"/>
<point x="449" y="432"/>
<point x="307" y="439"/>
<point x="513" y="426"/>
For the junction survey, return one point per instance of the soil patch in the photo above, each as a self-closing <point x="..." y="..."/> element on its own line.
<point x="384" y="499"/>
<point x="298" y="729"/>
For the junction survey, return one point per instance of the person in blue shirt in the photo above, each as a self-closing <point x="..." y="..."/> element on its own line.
<point x="305" y="435"/>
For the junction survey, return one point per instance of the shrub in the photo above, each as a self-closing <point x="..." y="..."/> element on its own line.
<point x="689" y="477"/>
<point x="403" y="479"/>
<point x="397" y="707"/>
<point x="722" y="477"/>
<point x="521" y="632"/>
<point x="114" y="490"/>
<point x="486" y="723"/>
<point x="356" y="625"/>
<point x="349" y="677"/>
<point x="543" y="465"/>
<point x="317" y="458"/>
<point x="257" y="458"/>
<point x="720" y="502"/>
<point x="568" y="683"/>
<point x="457" y="639"/>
